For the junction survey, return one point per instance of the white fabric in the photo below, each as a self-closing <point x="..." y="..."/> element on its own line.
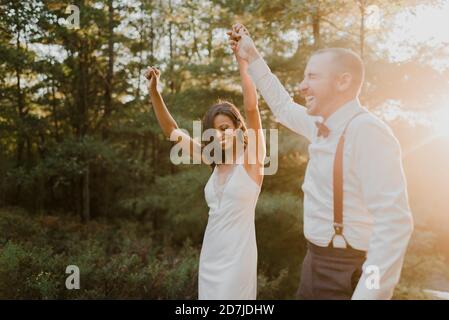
<point x="228" y="260"/>
<point x="376" y="214"/>
<point x="219" y="186"/>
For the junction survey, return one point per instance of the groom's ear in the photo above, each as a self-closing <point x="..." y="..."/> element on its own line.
<point x="345" y="81"/>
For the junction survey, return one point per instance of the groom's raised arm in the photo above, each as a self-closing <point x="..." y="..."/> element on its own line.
<point x="287" y="112"/>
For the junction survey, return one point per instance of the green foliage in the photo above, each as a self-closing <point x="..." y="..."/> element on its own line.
<point x="124" y="259"/>
<point x="423" y="267"/>
<point x="78" y="138"/>
<point x="115" y="261"/>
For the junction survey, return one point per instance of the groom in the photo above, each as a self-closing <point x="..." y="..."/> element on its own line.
<point x="357" y="220"/>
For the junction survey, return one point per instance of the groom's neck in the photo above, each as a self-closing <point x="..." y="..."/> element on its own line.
<point x="335" y="105"/>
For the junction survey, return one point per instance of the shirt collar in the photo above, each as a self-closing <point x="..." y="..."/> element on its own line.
<point x="343" y="114"/>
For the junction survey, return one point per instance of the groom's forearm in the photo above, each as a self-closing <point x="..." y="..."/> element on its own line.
<point x="392" y="230"/>
<point x="384" y="191"/>
<point x="268" y="85"/>
<point x="253" y="55"/>
<point x="381" y="271"/>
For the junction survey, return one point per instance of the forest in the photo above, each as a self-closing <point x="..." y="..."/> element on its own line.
<point x="85" y="173"/>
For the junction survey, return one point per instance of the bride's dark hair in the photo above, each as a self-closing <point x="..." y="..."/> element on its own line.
<point x="228" y="109"/>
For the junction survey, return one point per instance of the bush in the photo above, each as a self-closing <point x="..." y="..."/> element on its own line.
<point x="115" y="261"/>
<point x="121" y="259"/>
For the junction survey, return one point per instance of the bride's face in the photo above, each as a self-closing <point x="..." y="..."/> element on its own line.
<point x="225" y="131"/>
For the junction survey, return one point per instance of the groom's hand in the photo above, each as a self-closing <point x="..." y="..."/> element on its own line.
<point x="242" y="44"/>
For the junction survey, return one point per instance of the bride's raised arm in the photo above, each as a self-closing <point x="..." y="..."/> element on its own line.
<point x="256" y="150"/>
<point x="164" y="118"/>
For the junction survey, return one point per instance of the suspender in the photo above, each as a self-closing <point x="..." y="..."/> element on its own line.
<point x="338" y="187"/>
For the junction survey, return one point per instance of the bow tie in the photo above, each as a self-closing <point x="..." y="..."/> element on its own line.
<point x="323" y="130"/>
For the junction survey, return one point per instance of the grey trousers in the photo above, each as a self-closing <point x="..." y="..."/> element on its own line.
<point x="330" y="273"/>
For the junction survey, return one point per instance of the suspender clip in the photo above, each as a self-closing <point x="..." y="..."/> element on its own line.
<point x="338" y="227"/>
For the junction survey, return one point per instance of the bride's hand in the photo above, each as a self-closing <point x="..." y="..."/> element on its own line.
<point x="241" y="43"/>
<point x="235" y="49"/>
<point x="153" y="74"/>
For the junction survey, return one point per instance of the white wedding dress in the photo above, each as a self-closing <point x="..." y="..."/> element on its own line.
<point x="228" y="261"/>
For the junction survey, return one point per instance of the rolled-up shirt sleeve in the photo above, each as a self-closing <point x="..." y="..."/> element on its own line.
<point x="378" y="165"/>
<point x="287" y="112"/>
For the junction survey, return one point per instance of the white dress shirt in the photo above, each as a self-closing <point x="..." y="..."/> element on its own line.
<point x="376" y="214"/>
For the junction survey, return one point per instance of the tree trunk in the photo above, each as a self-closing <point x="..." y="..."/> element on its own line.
<point x="316" y="26"/>
<point x="141" y="44"/>
<point x="170" y="38"/>
<point x="21" y="121"/>
<point x="86" y="196"/>
<point x="83" y="122"/>
<point x="145" y="144"/>
<point x="110" y="70"/>
<point x="154" y="156"/>
<point x="362" y="7"/>
<point x="152" y="35"/>
<point x="209" y="43"/>
<point x="54" y="110"/>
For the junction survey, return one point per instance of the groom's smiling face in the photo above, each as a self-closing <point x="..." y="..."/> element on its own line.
<point x="319" y="85"/>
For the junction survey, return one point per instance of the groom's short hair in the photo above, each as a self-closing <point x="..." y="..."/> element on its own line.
<point x="347" y="61"/>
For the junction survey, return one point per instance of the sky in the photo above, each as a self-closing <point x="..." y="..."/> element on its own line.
<point x="427" y="24"/>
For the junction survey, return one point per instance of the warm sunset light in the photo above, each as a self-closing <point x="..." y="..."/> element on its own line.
<point x="224" y="150"/>
<point x="425" y="24"/>
<point x="440" y="118"/>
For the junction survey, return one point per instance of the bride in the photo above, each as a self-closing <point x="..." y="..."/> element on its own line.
<point x="228" y="260"/>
